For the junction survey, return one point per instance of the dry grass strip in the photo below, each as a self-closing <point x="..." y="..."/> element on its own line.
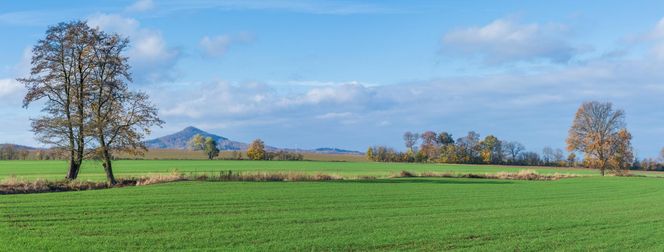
<point x="14" y="185"/>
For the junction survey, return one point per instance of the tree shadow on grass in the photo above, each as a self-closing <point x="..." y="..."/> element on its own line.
<point x="427" y="181"/>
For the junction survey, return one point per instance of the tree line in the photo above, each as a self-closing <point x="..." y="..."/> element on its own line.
<point x="598" y="133"/>
<point x="82" y="76"/>
<point x="11" y="152"/>
<point x="470" y="149"/>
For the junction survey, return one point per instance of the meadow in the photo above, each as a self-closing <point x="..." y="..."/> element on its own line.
<point x="589" y="213"/>
<point x="92" y="170"/>
<point x="583" y="213"/>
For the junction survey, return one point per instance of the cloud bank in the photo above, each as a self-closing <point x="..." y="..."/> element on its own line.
<point x="505" y="40"/>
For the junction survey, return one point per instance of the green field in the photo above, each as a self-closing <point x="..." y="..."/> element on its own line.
<point x="585" y="213"/>
<point x="430" y="214"/>
<point x="92" y="170"/>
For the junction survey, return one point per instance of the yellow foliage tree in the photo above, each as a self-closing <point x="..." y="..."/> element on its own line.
<point x="256" y="150"/>
<point x="599" y="132"/>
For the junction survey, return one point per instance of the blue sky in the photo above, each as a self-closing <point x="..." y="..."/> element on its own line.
<point x="350" y="74"/>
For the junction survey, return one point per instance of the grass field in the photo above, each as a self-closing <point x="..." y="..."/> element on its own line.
<point x="92" y="170"/>
<point x="588" y="213"/>
<point x="173" y="154"/>
<point x="584" y="213"/>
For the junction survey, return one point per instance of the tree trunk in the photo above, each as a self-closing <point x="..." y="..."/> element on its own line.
<point x="72" y="173"/>
<point x="108" y="168"/>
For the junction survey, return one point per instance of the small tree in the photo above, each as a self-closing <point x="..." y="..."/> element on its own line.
<point x="445" y="139"/>
<point x="448" y="154"/>
<point x="370" y="153"/>
<point x="256" y="150"/>
<point x="196" y="143"/>
<point x="410" y="139"/>
<point x="512" y="150"/>
<point x="547" y="155"/>
<point x="491" y="150"/>
<point x="211" y="148"/>
<point x="571" y="159"/>
<point x="429" y="146"/>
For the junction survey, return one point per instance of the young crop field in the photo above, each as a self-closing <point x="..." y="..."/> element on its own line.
<point x="92" y="170"/>
<point x="585" y="213"/>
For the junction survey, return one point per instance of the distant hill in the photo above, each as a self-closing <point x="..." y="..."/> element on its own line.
<point x="18" y="147"/>
<point x="336" y="151"/>
<point x="180" y="139"/>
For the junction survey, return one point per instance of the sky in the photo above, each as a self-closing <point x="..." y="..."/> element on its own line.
<point x="350" y="74"/>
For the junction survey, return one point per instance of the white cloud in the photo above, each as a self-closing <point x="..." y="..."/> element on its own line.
<point x="9" y="87"/>
<point x="150" y="56"/>
<point x="218" y="45"/>
<point x="656" y="37"/>
<point x="141" y="5"/>
<point x="504" y="40"/>
<point x="335" y="115"/>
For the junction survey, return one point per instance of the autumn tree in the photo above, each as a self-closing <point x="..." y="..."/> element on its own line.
<point x="448" y="154"/>
<point x="369" y="153"/>
<point x="468" y="147"/>
<point x="448" y="151"/>
<point x="211" y="148"/>
<point x="62" y="64"/>
<point x="571" y="160"/>
<point x="491" y="150"/>
<point x="206" y="144"/>
<point x="256" y="150"/>
<point x="595" y="132"/>
<point x="622" y="154"/>
<point x="196" y="143"/>
<point x="429" y="146"/>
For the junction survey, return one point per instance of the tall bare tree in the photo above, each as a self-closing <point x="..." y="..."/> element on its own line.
<point x="513" y="149"/>
<point x="120" y="118"/>
<point x="62" y="64"/>
<point x="594" y="132"/>
<point x="82" y="75"/>
<point x="548" y="155"/>
<point x="410" y="139"/>
<point x="445" y="138"/>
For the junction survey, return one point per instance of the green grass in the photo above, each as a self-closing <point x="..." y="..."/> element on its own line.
<point x="92" y="170"/>
<point x="585" y="213"/>
<point x="589" y="213"/>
